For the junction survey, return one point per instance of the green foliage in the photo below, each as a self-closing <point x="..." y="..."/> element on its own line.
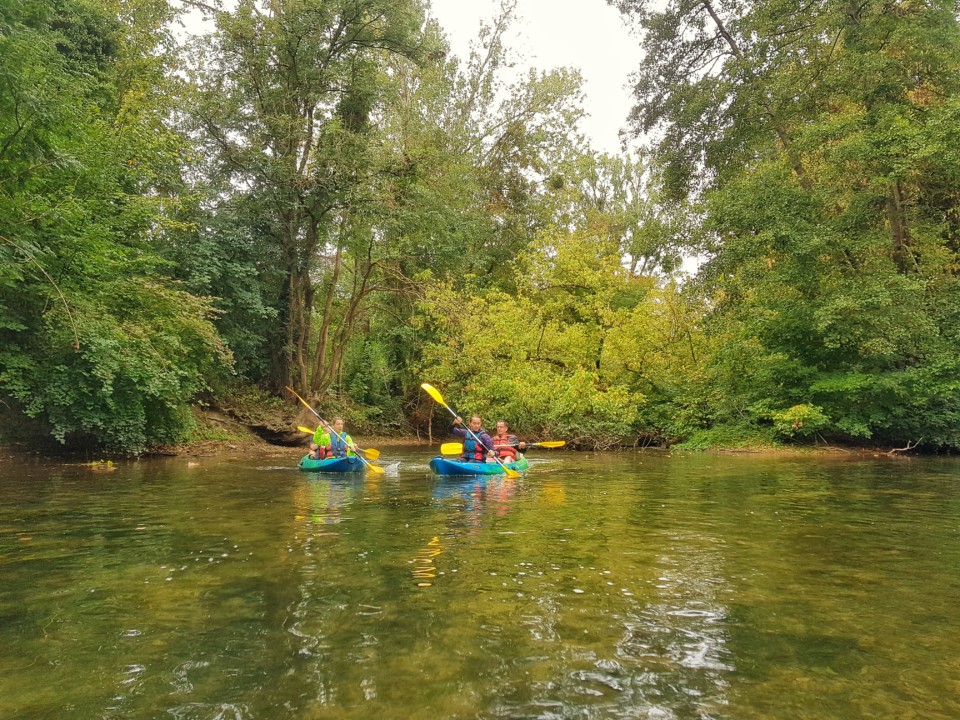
<point x="144" y="350"/>
<point x="325" y="195"/>
<point x="735" y="436"/>
<point x="799" y="421"/>
<point x="371" y="379"/>
<point x="222" y="257"/>
<point x="577" y="353"/>
<point x="94" y="341"/>
<point x="814" y="142"/>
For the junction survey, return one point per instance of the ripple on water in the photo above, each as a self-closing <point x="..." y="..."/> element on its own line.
<point x="181" y="675"/>
<point x="210" y="711"/>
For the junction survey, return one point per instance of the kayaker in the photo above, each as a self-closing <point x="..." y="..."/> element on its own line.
<point x="327" y="444"/>
<point x="506" y="444"/>
<point x="472" y="450"/>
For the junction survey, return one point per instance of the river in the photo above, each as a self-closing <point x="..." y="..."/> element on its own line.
<point x="621" y="585"/>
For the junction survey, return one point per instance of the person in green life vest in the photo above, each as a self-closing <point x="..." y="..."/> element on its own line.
<point x="327" y="444"/>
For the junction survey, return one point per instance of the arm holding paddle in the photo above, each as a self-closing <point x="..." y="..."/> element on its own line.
<point x="476" y="429"/>
<point x="324" y="435"/>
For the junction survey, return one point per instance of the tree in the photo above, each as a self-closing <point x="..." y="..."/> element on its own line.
<point x="470" y="152"/>
<point x="816" y="138"/>
<point x="584" y="349"/>
<point x="95" y="342"/>
<point x="287" y="92"/>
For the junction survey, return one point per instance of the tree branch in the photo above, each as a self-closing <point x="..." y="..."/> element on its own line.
<point x="908" y="448"/>
<point x="31" y="258"/>
<point x="201" y="6"/>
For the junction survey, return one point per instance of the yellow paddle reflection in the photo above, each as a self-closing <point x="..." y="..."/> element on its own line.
<point x="424" y="568"/>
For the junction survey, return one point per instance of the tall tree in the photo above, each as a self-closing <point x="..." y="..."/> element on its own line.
<point x="470" y="150"/>
<point x="94" y="340"/>
<point x="821" y="138"/>
<point x="285" y="94"/>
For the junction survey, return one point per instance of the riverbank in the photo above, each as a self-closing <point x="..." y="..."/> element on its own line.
<point x="273" y="431"/>
<point x="254" y="445"/>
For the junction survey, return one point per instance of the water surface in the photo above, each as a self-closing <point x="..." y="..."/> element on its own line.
<point x="595" y="586"/>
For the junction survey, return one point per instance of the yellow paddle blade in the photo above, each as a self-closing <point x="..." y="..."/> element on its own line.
<point x="290" y="389"/>
<point x="376" y="469"/>
<point x="451" y="448"/>
<point x="306" y="430"/>
<point x="511" y="473"/>
<point x="433" y="392"/>
<point x="551" y="443"/>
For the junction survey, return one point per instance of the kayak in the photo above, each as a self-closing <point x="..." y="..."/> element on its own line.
<point x="442" y="466"/>
<point x="332" y="465"/>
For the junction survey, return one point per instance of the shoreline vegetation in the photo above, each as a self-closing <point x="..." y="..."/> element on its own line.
<point x="300" y="196"/>
<point x="218" y="434"/>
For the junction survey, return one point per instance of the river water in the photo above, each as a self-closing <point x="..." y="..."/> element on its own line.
<point x="630" y="585"/>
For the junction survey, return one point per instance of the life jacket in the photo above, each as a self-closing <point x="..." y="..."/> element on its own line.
<point x="503" y="447"/>
<point x="473" y="450"/>
<point x="337" y="447"/>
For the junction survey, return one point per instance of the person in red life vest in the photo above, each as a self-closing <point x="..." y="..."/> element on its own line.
<point x="473" y="451"/>
<point x="506" y="444"/>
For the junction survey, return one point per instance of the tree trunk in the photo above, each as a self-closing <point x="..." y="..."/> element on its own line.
<point x="323" y="337"/>
<point x="899" y="231"/>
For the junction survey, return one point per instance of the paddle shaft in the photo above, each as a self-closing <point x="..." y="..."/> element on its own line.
<point x="545" y="443"/>
<point x="455" y="448"/>
<point x="330" y="428"/>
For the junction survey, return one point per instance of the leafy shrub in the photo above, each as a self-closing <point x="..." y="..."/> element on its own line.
<point x="800" y="421"/>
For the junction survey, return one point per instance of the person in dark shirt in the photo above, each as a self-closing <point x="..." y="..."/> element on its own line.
<point x="477" y="443"/>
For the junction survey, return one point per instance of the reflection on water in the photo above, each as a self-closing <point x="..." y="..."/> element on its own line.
<point x="322" y="499"/>
<point x="424" y="567"/>
<point x="601" y="586"/>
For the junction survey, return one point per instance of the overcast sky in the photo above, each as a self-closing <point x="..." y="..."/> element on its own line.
<point x="586" y="34"/>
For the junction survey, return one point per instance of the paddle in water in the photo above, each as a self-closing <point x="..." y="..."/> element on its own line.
<point x="375" y="468"/>
<point x="435" y="394"/>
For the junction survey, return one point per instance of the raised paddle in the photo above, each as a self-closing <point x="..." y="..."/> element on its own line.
<point x="376" y="469"/>
<point x="435" y="394"/>
<point x="455" y="448"/>
<point x="369" y="452"/>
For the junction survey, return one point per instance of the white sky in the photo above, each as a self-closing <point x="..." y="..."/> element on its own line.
<point x="586" y="34"/>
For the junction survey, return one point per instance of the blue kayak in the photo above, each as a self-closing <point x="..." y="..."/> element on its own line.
<point x="442" y="466"/>
<point x="332" y="465"/>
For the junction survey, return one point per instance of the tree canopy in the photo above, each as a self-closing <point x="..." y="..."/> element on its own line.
<point x="318" y="193"/>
